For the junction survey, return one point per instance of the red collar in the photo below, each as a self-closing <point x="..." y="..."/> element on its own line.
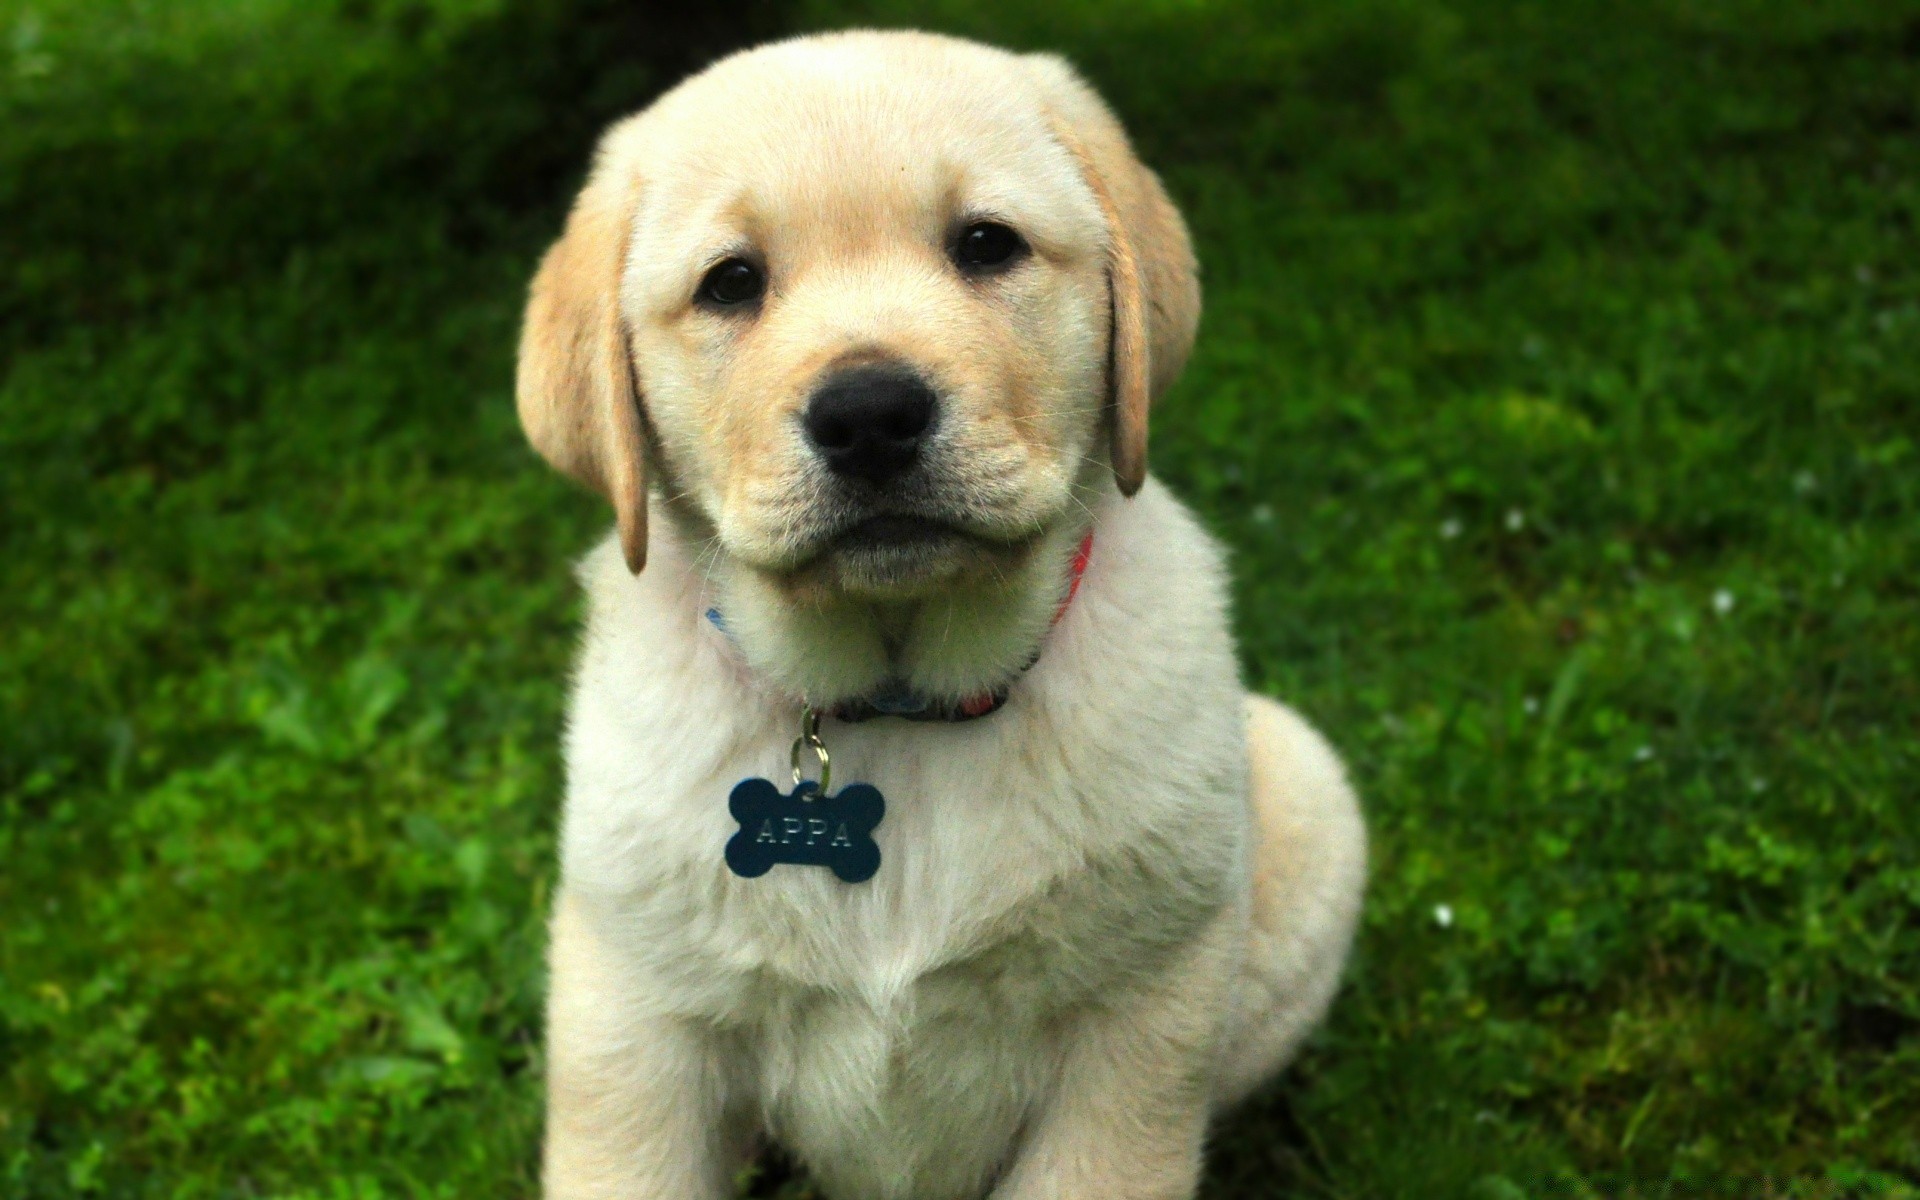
<point x="1075" y="574"/>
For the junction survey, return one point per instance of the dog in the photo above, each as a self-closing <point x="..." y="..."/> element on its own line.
<point x="858" y="333"/>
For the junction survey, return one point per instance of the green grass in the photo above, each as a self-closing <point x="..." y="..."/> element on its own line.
<point x="1558" y="394"/>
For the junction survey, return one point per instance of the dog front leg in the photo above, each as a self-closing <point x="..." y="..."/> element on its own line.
<point x="1128" y="1115"/>
<point x="634" y="1099"/>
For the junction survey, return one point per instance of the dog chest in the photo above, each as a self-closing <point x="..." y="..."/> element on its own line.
<point x="902" y="1061"/>
<point x="915" y="1095"/>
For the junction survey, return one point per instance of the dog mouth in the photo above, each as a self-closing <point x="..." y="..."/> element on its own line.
<point x="899" y="555"/>
<point x="894" y="551"/>
<point x="891" y="533"/>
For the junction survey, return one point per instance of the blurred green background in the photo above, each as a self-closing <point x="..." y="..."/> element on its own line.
<point x="1557" y="394"/>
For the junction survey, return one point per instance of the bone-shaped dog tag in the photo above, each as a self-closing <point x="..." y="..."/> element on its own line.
<point x="805" y="828"/>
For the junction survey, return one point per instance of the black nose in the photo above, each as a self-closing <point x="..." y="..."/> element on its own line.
<point x="868" y="422"/>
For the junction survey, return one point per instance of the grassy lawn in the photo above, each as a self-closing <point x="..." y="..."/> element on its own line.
<point x="1558" y="393"/>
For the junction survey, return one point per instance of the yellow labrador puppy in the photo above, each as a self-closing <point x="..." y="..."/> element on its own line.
<point x="858" y="334"/>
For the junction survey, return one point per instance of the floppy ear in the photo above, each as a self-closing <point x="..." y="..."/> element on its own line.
<point x="579" y="401"/>
<point x="1154" y="281"/>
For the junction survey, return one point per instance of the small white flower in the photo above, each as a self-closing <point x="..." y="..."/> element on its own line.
<point x="1443" y="915"/>
<point x="1805" y="481"/>
<point x="1516" y="520"/>
<point x="1722" y="602"/>
<point x="1757" y="785"/>
<point x="1530" y="705"/>
<point x="1263" y="514"/>
<point x="1643" y="754"/>
<point x="1450" y="528"/>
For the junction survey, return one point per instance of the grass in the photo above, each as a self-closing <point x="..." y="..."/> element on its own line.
<point x="1558" y="395"/>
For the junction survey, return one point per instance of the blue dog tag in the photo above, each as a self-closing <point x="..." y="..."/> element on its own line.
<point x="807" y="828"/>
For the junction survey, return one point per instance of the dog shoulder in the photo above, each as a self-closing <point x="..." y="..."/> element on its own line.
<point x="657" y="713"/>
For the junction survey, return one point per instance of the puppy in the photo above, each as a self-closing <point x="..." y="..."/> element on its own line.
<point x="858" y="334"/>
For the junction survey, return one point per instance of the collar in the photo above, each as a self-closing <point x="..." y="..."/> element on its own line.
<point x="896" y="699"/>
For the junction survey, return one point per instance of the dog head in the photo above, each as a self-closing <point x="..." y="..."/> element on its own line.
<point x="874" y="313"/>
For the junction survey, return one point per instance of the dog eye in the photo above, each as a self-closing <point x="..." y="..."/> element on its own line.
<point x="986" y="244"/>
<point x="732" y="281"/>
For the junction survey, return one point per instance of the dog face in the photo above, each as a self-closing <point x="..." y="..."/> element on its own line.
<point x="870" y="307"/>
<point x="869" y="325"/>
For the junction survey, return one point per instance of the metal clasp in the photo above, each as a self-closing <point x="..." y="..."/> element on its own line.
<point x="810" y="738"/>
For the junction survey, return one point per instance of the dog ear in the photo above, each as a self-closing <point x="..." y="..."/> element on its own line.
<point x="1153" y="279"/>
<point x="578" y="397"/>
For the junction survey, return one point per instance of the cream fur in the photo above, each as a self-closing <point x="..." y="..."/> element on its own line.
<point x="1103" y="912"/>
